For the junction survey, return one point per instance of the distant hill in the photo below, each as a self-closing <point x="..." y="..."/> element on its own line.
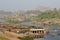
<point x="42" y="8"/>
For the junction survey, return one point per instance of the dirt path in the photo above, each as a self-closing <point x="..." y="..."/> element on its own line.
<point x="12" y="36"/>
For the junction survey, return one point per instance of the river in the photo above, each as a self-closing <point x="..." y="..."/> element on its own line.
<point x="54" y="29"/>
<point x="47" y="37"/>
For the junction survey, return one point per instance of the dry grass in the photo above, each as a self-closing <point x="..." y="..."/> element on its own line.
<point x="3" y="38"/>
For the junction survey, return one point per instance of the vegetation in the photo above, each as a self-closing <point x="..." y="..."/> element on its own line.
<point x="9" y="20"/>
<point x="2" y="38"/>
<point x="53" y="14"/>
<point x="50" y="14"/>
<point x="26" y="38"/>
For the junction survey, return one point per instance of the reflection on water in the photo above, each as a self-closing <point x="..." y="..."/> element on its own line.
<point x="39" y="39"/>
<point x="48" y="37"/>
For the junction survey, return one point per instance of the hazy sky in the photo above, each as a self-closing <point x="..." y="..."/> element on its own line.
<point x="27" y="4"/>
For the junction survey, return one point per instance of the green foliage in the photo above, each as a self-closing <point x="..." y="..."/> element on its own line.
<point x="26" y="38"/>
<point x="9" y="20"/>
<point x="50" y="14"/>
<point x="13" y="21"/>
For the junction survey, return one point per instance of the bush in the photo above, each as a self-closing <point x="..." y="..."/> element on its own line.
<point x="26" y="38"/>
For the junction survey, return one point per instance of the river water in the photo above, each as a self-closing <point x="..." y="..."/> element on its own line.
<point x="47" y="37"/>
<point x="52" y="38"/>
<point x="54" y="29"/>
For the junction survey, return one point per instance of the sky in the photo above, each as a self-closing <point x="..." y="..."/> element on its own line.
<point x="10" y="5"/>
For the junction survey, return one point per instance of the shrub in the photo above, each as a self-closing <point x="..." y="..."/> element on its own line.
<point x="25" y="38"/>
